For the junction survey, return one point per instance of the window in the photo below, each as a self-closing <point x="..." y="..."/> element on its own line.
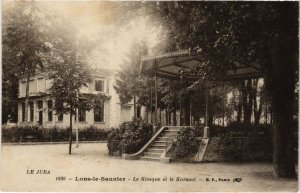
<point x="138" y="112"/>
<point x="50" y="110"/>
<point x="32" y="86"/>
<point x="31" y="110"/>
<point x="82" y="112"/>
<point x="60" y="115"/>
<point x="40" y="112"/>
<point x="41" y="85"/>
<point x="23" y="88"/>
<point x="40" y="105"/>
<point x="99" y="112"/>
<point x="23" y="112"/>
<point x="48" y="83"/>
<point x="99" y="85"/>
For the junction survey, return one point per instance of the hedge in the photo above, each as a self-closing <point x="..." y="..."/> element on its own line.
<point x="239" y="149"/>
<point x="54" y="134"/>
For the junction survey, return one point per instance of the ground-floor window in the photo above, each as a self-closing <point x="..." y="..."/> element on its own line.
<point x="50" y="110"/>
<point x="138" y="112"/>
<point x="40" y="114"/>
<point x="31" y="111"/>
<point x="82" y="112"/>
<point x="23" y="112"/>
<point x="60" y="115"/>
<point x="99" y="112"/>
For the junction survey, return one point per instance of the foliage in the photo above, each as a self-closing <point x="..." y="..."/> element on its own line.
<point x="130" y="85"/>
<point x="114" y="141"/>
<point x="54" y="134"/>
<point x="25" y="44"/>
<point x="92" y="133"/>
<point x="236" y="129"/>
<point x="185" y="142"/>
<point x="129" y="137"/>
<point x="135" y="136"/>
<point x="69" y="71"/>
<point x="239" y="149"/>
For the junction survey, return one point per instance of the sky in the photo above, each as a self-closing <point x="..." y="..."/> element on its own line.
<point x="97" y="22"/>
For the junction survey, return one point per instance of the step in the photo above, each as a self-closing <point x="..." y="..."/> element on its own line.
<point x="161" y="142"/>
<point x="172" y="135"/>
<point x="165" y="138"/>
<point x="150" y="158"/>
<point x="155" y="150"/>
<point x="174" y="127"/>
<point x="171" y="130"/>
<point x="159" y="146"/>
<point x="151" y="154"/>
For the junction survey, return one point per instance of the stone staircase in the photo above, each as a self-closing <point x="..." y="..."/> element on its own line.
<point x="160" y="145"/>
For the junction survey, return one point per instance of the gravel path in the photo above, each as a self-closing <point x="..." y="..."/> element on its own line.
<point x="90" y="168"/>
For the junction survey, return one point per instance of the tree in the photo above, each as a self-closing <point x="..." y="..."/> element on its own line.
<point x="224" y="33"/>
<point x="70" y="72"/>
<point x="130" y="85"/>
<point x="25" y="42"/>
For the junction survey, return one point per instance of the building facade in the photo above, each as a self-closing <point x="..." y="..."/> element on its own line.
<point x="40" y="107"/>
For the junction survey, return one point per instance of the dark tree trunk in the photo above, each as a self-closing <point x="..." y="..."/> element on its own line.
<point x="257" y="114"/>
<point x="186" y="111"/>
<point x="159" y="116"/>
<point x="210" y="112"/>
<point x="170" y="115"/>
<point x="210" y="118"/>
<point x="167" y="115"/>
<point x="239" y="108"/>
<point x="174" y="117"/>
<point x="146" y="114"/>
<point x="283" y="104"/>
<point x="247" y="101"/>
<point x="281" y="78"/>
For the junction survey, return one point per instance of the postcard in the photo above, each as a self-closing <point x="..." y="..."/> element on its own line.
<point x="149" y="96"/>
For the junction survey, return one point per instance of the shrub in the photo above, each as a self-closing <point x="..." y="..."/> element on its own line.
<point x="136" y="136"/>
<point x="19" y="134"/>
<point x="114" y="141"/>
<point x="129" y="137"/>
<point x="54" y="134"/>
<point x="199" y="131"/>
<point x="92" y="134"/>
<point x="239" y="149"/>
<point x="185" y="142"/>
<point x="241" y="130"/>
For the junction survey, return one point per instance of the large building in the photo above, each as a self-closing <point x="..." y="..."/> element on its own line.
<point x="41" y="113"/>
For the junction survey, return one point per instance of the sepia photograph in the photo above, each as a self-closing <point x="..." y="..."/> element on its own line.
<point x="149" y="96"/>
